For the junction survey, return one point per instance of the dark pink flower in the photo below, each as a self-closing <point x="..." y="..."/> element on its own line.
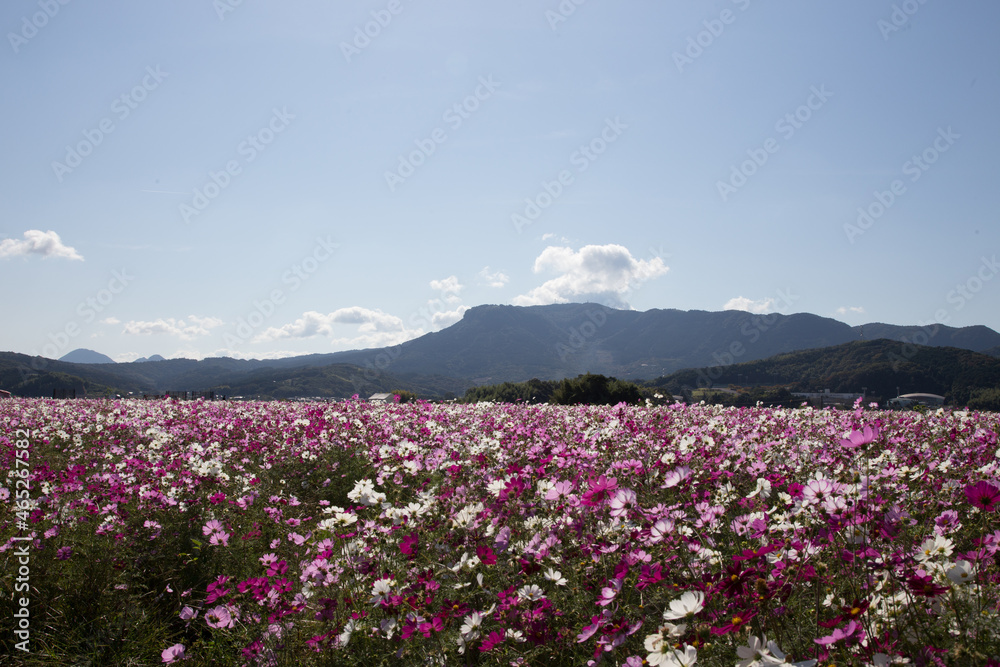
<point x="491" y="641"/>
<point x="983" y="495"/>
<point x="600" y="490"/>
<point x="486" y="555"/>
<point x="409" y="545"/>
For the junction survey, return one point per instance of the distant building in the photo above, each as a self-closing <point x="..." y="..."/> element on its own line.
<point x="908" y="400"/>
<point x="190" y="395"/>
<point x="381" y="398"/>
<point x="5" y="394"/>
<point x="827" y="398"/>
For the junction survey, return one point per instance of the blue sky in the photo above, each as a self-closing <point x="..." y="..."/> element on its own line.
<point x="261" y="179"/>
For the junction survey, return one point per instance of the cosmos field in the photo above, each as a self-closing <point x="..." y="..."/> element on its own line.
<point x="496" y="534"/>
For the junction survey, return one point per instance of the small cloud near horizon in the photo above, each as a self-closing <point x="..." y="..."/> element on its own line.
<point x="36" y="242"/>
<point x="187" y="328"/>
<point x="758" y="307"/>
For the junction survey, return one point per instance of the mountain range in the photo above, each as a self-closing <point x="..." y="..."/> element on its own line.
<point x="498" y="343"/>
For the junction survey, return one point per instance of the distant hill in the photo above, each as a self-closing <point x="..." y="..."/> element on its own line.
<point x="493" y="344"/>
<point x="85" y="356"/>
<point x="154" y="357"/>
<point x="32" y="376"/>
<point x="881" y="366"/>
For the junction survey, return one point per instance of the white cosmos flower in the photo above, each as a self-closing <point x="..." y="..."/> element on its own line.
<point x="470" y="628"/>
<point x="934" y="546"/>
<point x="675" y="658"/>
<point x="689" y="604"/>
<point x="531" y="592"/>
<point x="961" y="572"/>
<point x="555" y="576"/>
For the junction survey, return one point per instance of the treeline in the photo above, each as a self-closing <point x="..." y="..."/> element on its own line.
<point x="881" y="366"/>
<point x="587" y="389"/>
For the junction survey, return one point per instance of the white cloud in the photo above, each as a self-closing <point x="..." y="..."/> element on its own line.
<point x="757" y="307"/>
<point x="449" y="285"/>
<point x="853" y="310"/>
<point x="599" y="273"/>
<point x="111" y="320"/>
<point x="242" y="354"/>
<point x="548" y="235"/>
<point x="313" y="323"/>
<point x="446" y="318"/>
<point x="36" y="242"/>
<point x="188" y="328"/>
<point x="498" y="279"/>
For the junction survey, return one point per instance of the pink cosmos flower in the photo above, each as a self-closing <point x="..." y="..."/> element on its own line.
<point x="851" y="631"/>
<point x="624" y="500"/>
<point x="859" y="438"/>
<point x="218" y="539"/>
<point x="817" y="490"/>
<point x="64" y="553"/>
<point x="609" y="593"/>
<point x="212" y="526"/>
<point x="220" y="617"/>
<point x="661" y="529"/>
<point x="175" y="652"/>
<point x="675" y="477"/>
<point x="561" y="488"/>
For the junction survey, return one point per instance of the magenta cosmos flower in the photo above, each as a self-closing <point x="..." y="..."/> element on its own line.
<point x="983" y="495"/>
<point x="600" y="489"/>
